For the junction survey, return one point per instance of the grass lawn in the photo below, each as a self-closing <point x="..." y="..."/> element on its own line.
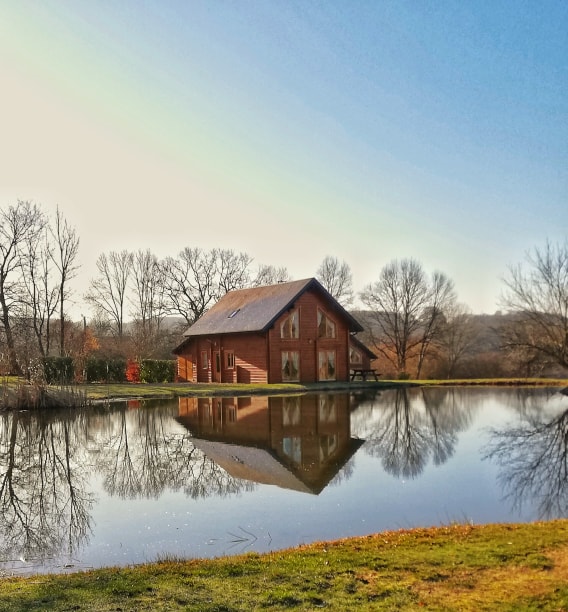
<point x="103" y="391"/>
<point x="457" y="567"/>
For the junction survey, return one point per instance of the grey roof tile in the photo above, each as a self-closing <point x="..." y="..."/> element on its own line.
<point x="256" y="309"/>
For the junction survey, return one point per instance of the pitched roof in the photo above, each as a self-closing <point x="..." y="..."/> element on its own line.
<point x="263" y="465"/>
<point x="256" y="309"/>
<point x="357" y="343"/>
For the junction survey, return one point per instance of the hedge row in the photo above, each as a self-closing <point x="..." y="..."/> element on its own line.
<point x="64" y="370"/>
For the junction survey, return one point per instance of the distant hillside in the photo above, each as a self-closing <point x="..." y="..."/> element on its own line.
<point x="484" y="357"/>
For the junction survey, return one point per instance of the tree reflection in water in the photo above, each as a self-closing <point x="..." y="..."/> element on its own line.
<point x="145" y="453"/>
<point x="44" y="506"/>
<point x="47" y="460"/>
<point x="415" y="425"/>
<point x="533" y="458"/>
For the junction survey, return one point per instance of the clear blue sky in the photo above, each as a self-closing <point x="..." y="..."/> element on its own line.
<point x="368" y="130"/>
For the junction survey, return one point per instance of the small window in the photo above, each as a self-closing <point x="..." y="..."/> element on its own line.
<point x="355" y="356"/>
<point x="326" y="327"/>
<point x="230" y="359"/>
<point x="289" y="328"/>
<point x="235" y="312"/>
<point x="204" y="360"/>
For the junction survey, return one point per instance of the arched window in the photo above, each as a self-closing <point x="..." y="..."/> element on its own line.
<point x="290" y="328"/>
<point x="326" y="327"/>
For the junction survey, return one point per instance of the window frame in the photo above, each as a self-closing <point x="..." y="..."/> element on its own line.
<point x="230" y="360"/>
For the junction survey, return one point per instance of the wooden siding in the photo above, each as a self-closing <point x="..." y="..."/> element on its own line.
<point x="308" y="344"/>
<point x="185" y="369"/>
<point x="250" y="359"/>
<point x="240" y="420"/>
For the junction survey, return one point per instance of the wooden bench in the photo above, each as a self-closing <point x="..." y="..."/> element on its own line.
<point x="364" y="373"/>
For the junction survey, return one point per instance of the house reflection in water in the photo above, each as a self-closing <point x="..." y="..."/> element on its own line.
<point x="294" y="442"/>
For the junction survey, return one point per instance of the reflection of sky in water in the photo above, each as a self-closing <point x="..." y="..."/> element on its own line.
<point x="363" y="497"/>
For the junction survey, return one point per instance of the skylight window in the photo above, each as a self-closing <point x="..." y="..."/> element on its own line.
<point x="233" y="313"/>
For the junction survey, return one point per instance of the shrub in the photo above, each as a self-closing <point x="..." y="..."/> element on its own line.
<point x="58" y="370"/>
<point x="105" y="370"/>
<point x="157" y="370"/>
<point x="133" y="371"/>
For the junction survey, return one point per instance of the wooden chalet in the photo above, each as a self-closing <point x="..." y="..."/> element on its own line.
<point x="288" y="332"/>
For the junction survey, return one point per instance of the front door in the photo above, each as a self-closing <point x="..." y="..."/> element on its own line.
<point x="217" y="366"/>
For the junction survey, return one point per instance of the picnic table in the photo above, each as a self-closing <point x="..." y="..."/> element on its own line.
<point x="363" y="373"/>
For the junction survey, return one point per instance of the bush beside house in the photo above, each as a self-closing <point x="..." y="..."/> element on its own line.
<point x="65" y="370"/>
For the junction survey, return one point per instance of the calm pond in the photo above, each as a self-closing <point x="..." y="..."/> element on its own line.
<point x="139" y="481"/>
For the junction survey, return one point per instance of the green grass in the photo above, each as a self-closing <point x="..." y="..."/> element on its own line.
<point x="169" y="390"/>
<point x="497" y="382"/>
<point x="457" y="567"/>
<point x="118" y="391"/>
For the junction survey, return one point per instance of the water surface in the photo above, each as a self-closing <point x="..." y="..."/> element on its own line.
<point x="138" y="481"/>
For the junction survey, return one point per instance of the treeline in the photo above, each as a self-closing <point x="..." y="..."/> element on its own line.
<point x="141" y="304"/>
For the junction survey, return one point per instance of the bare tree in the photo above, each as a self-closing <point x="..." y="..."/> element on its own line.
<point x="107" y="292"/>
<point x="336" y="277"/>
<point x="441" y="296"/>
<point x="536" y="295"/>
<point x="189" y="282"/>
<point x="19" y="225"/>
<point x="42" y="292"/>
<point x="458" y="335"/>
<point x="232" y="270"/>
<point x="406" y="308"/>
<point x="148" y="307"/>
<point x="270" y="275"/>
<point x="64" y="257"/>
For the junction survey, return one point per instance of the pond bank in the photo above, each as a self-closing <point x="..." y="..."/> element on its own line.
<point x="465" y="567"/>
<point x="18" y="395"/>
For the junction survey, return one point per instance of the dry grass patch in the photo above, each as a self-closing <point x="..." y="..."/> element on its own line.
<point x="511" y="587"/>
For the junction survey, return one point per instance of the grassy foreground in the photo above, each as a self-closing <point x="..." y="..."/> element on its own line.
<point x="458" y="567"/>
